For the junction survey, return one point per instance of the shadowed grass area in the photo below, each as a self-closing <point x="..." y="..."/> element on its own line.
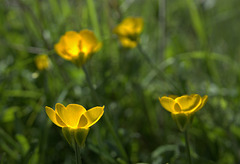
<point x="186" y="47"/>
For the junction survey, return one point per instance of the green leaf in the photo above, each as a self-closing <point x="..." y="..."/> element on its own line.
<point x="23" y="142"/>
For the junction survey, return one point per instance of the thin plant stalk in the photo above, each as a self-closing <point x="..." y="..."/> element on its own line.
<point x="45" y="127"/>
<point x="93" y="17"/>
<point x="106" y="117"/>
<point x="160" y="73"/>
<point x="88" y="79"/>
<point x="163" y="20"/>
<point x="187" y="147"/>
<point x="197" y="22"/>
<point x="77" y="153"/>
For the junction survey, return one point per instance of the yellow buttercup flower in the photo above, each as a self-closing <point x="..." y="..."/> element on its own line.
<point x="129" y="30"/>
<point x="75" y="120"/>
<point x="183" y="108"/>
<point x="77" y="47"/>
<point x="42" y="62"/>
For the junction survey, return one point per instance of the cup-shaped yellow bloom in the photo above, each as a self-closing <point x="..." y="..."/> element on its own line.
<point x="129" y="30"/>
<point x="75" y="120"/>
<point x="183" y="108"/>
<point x="42" y="62"/>
<point x="77" y="47"/>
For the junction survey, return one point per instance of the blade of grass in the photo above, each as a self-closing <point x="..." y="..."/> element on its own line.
<point x="197" y="21"/>
<point x="93" y="17"/>
<point x="5" y="136"/>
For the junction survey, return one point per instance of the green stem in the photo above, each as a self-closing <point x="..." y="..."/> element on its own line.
<point x="197" y="22"/>
<point x="93" y="91"/>
<point x="163" y="22"/>
<point x="187" y="147"/>
<point x="106" y="117"/>
<point x="44" y="127"/>
<point x="146" y="57"/>
<point x="115" y="136"/>
<point x="77" y="153"/>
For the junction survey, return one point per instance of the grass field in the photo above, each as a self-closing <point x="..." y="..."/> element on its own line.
<point x="186" y="47"/>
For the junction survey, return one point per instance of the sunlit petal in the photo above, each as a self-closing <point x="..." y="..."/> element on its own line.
<point x="177" y="108"/>
<point x="72" y="41"/>
<point x="83" y="122"/>
<point x="93" y="115"/>
<point x="167" y="103"/>
<point x="75" y="112"/>
<point x="68" y="45"/>
<point x="204" y="101"/>
<point x="89" y="42"/>
<point x="60" y="49"/>
<point x="71" y="114"/>
<point x="129" y="26"/>
<point x="189" y="103"/>
<point x="54" y="117"/>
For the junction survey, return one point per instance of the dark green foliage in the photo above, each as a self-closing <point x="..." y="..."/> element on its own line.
<point x="198" y="52"/>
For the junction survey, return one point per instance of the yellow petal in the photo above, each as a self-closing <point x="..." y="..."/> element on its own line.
<point x="98" y="47"/>
<point x="89" y="43"/>
<point x="93" y="115"/>
<point x="204" y="100"/>
<point x="189" y="103"/>
<point x="60" y="49"/>
<point x="54" y="117"/>
<point x="83" y="122"/>
<point x="167" y="103"/>
<point x="128" y="43"/>
<point x="138" y="25"/>
<point x="76" y="113"/>
<point x="71" y="114"/>
<point x="129" y="26"/>
<point x="68" y="46"/>
<point x="72" y="41"/>
<point x="177" y="108"/>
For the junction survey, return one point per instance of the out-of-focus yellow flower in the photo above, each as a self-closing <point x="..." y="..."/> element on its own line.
<point x="183" y="108"/>
<point x="77" y="47"/>
<point x="42" y="62"/>
<point x="129" y="30"/>
<point x="75" y="120"/>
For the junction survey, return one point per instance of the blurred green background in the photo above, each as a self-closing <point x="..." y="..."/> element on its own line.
<point x="194" y="44"/>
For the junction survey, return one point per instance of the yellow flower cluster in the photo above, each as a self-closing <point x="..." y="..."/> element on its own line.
<point x="78" y="47"/>
<point x="129" y="30"/>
